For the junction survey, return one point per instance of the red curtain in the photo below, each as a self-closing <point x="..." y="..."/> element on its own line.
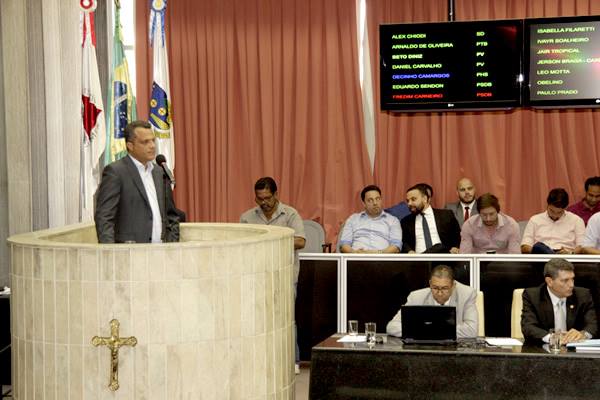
<point x="263" y="88"/>
<point x="270" y="87"/>
<point x="518" y="155"/>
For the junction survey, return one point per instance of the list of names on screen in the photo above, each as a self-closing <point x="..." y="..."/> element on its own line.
<point x="564" y="62"/>
<point x="455" y="65"/>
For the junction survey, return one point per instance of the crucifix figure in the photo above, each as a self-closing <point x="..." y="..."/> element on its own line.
<point x="114" y="342"/>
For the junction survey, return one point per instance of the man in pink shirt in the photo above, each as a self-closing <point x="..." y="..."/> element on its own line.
<point x="555" y="231"/>
<point x="490" y="231"/>
<point x="590" y="204"/>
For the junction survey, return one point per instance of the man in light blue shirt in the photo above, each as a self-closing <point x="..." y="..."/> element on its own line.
<point x="372" y="230"/>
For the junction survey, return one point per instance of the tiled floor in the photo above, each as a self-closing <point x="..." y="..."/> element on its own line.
<point x="3" y="390"/>
<point x="302" y="383"/>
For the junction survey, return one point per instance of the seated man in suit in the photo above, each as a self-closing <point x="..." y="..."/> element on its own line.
<point x="555" y="230"/>
<point x="427" y="229"/>
<point x="490" y="231"/>
<point x="465" y="206"/>
<point x="401" y="209"/>
<point x="443" y="290"/>
<point x="134" y="202"/>
<point x="558" y="304"/>
<point x="372" y="230"/>
<point x="590" y="204"/>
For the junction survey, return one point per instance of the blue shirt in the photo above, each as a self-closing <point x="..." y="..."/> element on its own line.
<point x="363" y="232"/>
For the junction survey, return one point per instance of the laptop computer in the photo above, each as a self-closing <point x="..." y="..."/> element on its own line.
<point x="428" y="324"/>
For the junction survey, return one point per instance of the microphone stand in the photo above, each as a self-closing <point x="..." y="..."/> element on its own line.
<point x="166" y="182"/>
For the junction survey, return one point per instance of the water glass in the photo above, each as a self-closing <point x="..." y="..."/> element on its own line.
<point x="352" y="327"/>
<point x="554" y="340"/>
<point x="370" y="330"/>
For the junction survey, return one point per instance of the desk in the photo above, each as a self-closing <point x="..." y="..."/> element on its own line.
<point x="393" y="371"/>
<point x="373" y="287"/>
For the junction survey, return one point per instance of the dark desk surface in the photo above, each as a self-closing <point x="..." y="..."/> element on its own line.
<point x="462" y="371"/>
<point x="395" y="345"/>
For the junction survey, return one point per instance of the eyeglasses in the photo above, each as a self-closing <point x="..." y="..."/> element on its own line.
<point x="264" y="200"/>
<point x="441" y="289"/>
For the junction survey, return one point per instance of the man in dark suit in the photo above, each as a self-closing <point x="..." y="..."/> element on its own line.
<point x="558" y="304"/>
<point x="427" y="229"/>
<point x="134" y="203"/>
<point x="466" y="205"/>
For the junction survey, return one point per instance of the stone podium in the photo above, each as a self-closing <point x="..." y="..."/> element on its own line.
<point x="212" y="314"/>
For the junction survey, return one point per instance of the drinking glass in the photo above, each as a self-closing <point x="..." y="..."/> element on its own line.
<point x="352" y="327"/>
<point x="370" y="330"/>
<point x="554" y="340"/>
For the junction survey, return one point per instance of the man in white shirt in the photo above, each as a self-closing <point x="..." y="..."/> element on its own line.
<point x="555" y="231"/>
<point x="134" y="202"/>
<point x="591" y="238"/>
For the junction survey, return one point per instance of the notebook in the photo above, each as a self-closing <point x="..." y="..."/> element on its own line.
<point x="428" y="324"/>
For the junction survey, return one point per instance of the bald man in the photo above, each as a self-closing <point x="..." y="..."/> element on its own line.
<point x="466" y="205"/>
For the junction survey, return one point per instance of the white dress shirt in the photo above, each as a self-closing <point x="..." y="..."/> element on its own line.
<point x="148" y="181"/>
<point x="419" y="236"/>
<point x="555" y="304"/>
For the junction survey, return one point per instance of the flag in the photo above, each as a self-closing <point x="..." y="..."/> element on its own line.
<point x="160" y="102"/>
<point x="121" y="101"/>
<point x="93" y="132"/>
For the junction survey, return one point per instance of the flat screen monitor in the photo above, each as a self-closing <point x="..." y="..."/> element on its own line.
<point x="451" y="65"/>
<point x="563" y="67"/>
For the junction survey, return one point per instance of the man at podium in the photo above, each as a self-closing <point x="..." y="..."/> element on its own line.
<point x="134" y="202"/>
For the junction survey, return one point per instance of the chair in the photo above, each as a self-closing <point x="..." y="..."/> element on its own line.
<point x="515" y="314"/>
<point x="315" y="238"/>
<point x="522" y="225"/>
<point x="339" y="237"/>
<point x="480" y="313"/>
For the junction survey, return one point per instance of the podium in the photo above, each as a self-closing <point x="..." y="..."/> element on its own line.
<point x="209" y="317"/>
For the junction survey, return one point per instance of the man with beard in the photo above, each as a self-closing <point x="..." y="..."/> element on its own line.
<point x="270" y="211"/>
<point x="372" y="230"/>
<point x="465" y="207"/>
<point x="590" y="204"/>
<point x="490" y="231"/>
<point x="427" y="229"/>
<point x="555" y="230"/>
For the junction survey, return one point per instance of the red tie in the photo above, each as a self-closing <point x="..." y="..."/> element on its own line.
<point x="466" y="213"/>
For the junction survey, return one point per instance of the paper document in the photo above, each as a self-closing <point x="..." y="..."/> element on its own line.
<point x="585" y="349"/>
<point x="585" y="343"/>
<point x="503" y="341"/>
<point x="352" y="339"/>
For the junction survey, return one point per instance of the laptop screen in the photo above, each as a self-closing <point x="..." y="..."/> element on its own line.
<point x="428" y="324"/>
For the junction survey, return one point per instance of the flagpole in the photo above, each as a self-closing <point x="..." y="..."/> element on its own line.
<point x="160" y="102"/>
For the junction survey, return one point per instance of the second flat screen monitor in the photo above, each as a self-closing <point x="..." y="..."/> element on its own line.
<point x="563" y="67"/>
<point x="451" y="65"/>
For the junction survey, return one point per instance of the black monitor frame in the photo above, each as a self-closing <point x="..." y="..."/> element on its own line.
<point x="455" y="103"/>
<point x="584" y="102"/>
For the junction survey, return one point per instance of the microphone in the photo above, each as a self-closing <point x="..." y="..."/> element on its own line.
<point x="162" y="161"/>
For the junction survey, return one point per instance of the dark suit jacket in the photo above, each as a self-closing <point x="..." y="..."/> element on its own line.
<point x="122" y="208"/>
<point x="447" y="228"/>
<point x="538" y="313"/>
<point x="457" y="209"/>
